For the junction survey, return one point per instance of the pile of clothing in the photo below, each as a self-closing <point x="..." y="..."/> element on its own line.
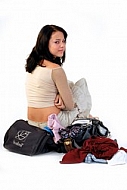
<point x="97" y="149"/>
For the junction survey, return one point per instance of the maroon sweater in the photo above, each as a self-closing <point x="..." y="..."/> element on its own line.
<point x="100" y="147"/>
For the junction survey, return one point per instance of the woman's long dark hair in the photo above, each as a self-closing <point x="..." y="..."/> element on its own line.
<point x="41" y="51"/>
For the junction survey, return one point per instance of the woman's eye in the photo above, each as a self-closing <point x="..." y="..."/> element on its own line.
<point x="64" y="41"/>
<point x="56" y="42"/>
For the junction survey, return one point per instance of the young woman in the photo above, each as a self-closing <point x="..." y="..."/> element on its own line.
<point x="47" y="88"/>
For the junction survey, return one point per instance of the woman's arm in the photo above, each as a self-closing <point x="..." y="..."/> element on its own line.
<point x="60" y="79"/>
<point x="59" y="102"/>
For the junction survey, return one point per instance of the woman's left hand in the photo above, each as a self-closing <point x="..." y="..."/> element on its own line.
<point x="59" y="102"/>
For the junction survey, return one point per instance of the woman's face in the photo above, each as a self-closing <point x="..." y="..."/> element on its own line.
<point x="57" y="44"/>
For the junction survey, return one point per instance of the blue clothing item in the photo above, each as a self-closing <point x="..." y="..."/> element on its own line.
<point x="90" y="158"/>
<point x="48" y="130"/>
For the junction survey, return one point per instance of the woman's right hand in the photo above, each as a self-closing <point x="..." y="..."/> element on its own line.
<point x="59" y="102"/>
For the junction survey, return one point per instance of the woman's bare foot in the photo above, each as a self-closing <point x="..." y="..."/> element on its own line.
<point x="90" y="116"/>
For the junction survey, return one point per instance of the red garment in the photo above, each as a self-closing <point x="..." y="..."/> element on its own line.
<point x="100" y="147"/>
<point x="122" y="148"/>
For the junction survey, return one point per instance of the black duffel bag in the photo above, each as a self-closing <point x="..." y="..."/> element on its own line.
<point x="29" y="140"/>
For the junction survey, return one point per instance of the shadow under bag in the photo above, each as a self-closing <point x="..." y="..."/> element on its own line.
<point x="29" y="140"/>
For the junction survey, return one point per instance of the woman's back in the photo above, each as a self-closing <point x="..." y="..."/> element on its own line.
<point x="42" y="87"/>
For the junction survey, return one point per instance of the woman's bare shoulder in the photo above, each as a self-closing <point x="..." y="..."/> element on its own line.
<point x="50" y="65"/>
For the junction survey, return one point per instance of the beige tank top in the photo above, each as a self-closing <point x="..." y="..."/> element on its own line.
<point x="43" y="84"/>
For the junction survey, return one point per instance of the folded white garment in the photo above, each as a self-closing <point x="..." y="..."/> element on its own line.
<point x="119" y="158"/>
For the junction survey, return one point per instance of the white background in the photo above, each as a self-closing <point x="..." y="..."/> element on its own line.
<point x="96" y="50"/>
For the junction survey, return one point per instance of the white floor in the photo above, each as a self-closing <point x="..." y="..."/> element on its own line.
<point x="96" y="50"/>
<point x="45" y="172"/>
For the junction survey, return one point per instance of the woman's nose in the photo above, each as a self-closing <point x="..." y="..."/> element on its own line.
<point x="62" y="44"/>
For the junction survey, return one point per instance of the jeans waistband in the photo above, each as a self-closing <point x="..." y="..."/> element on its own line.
<point x="37" y="124"/>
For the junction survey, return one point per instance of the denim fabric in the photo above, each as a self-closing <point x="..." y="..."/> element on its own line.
<point x="90" y="158"/>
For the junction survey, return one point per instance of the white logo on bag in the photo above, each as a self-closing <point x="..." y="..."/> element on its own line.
<point x="22" y="135"/>
<point x="18" y="143"/>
